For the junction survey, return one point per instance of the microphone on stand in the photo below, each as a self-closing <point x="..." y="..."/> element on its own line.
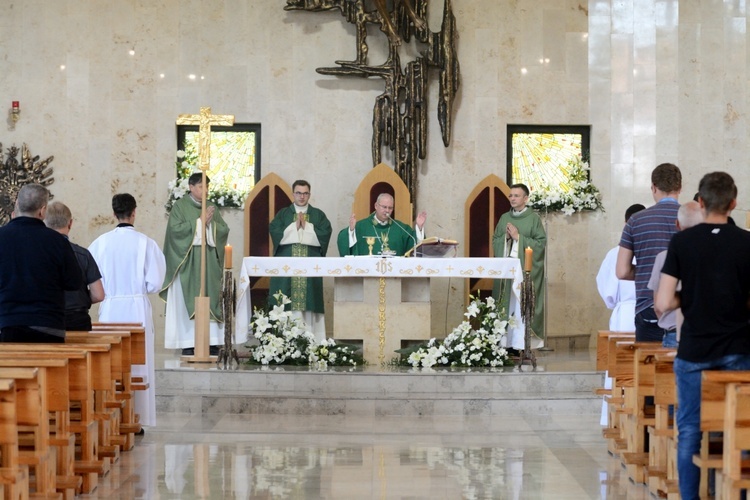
<point x="414" y="248"/>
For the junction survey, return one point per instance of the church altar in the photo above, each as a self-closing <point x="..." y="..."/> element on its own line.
<point x="382" y="267"/>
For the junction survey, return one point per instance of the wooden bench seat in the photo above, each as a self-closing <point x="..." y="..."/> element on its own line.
<point x="32" y="418"/>
<point x="735" y="476"/>
<point x="58" y="405"/>
<point x="614" y="433"/>
<point x="81" y="387"/>
<point x="14" y="477"/>
<point x="713" y="407"/>
<point x="637" y="379"/>
<point x="662" y="469"/>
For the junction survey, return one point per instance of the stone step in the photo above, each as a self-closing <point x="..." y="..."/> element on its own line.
<point x="398" y="392"/>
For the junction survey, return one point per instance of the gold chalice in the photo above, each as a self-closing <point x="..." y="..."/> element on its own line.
<point x="370" y="242"/>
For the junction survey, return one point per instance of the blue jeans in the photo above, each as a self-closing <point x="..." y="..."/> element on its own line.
<point x="670" y="339"/>
<point x="688" y="379"/>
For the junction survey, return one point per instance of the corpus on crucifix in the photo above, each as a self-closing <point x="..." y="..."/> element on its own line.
<point x="186" y="229"/>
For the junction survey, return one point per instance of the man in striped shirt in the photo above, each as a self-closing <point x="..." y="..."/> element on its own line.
<point x="645" y="235"/>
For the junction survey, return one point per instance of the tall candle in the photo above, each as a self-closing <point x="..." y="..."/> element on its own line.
<point x="528" y="258"/>
<point x="228" y="257"/>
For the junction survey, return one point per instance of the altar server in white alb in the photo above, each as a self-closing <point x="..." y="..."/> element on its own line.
<point x="618" y="295"/>
<point x="132" y="266"/>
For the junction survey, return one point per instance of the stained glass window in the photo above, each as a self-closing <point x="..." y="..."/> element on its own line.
<point x="235" y="154"/>
<point x="539" y="155"/>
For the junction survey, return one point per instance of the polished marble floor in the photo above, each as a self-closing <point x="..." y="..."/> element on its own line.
<point x="337" y="457"/>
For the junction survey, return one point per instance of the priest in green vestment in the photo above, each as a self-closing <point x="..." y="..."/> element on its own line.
<point x="301" y="230"/>
<point x="379" y="233"/>
<point x="517" y="230"/>
<point x="182" y="249"/>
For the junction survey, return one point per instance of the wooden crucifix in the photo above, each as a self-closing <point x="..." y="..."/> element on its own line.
<point x="204" y="120"/>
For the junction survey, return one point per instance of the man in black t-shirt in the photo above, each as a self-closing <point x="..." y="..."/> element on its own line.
<point x="91" y="291"/>
<point x="711" y="260"/>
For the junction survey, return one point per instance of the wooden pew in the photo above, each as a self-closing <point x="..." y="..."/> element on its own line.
<point x="662" y="468"/>
<point x="617" y="441"/>
<point x="713" y="407"/>
<point x="81" y="386"/>
<point x="131" y="339"/>
<point x="130" y="421"/>
<point x="58" y="405"/>
<point x="33" y="428"/>
<point x="636" y="414"/>
<point x="14" y="477"/>
<point x="116" y="404"/>
<point x="734" y="478"/>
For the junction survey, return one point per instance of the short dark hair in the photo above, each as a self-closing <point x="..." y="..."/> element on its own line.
<point x="667" y="178"/>
<point x="633" y="209"/>
<point x="301" y="182"/>
<point x="123" y="205"/>
<point x="521" y="186"/>
<point x="31" y="198"/>
<point x="197" y="178"/>
<point x="717" y="190"/>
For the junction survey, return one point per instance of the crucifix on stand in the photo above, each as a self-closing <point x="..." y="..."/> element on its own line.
<point x="204" y="120"/>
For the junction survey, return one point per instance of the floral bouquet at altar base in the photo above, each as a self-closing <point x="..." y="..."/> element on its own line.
<point x="477" y="342"/>
<point x="283" y="340"/>
<point x="575" y="195"/>
<point x="186" y="163"/>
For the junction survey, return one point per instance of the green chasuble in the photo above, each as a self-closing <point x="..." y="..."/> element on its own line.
<point x="530" y="234"/>
<point x="184" y="258"/>
<point x="395" y="235"/>
<point x="306" y="294"/>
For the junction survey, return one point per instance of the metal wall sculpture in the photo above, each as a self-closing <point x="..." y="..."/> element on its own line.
<point x="399" y="118"/>
<point x="14" y="174"/>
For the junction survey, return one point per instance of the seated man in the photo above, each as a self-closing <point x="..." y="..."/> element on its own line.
<point x="379" y="233"/>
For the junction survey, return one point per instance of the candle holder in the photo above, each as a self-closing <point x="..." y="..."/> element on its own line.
<point x="528" y="306"/>
<point x="228" y="353"/>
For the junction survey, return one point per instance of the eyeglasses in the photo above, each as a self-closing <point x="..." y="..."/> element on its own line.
<point x="298" y="193"/>
<point x="385" y="207"/>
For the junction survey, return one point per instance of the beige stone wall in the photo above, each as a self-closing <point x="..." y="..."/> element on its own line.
<point x="658" y="81"/>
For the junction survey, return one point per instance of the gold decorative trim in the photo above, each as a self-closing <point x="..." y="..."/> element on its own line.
<point x="381" y="323"/>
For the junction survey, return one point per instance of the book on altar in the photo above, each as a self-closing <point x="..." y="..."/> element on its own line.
<point x="434" y="247"/>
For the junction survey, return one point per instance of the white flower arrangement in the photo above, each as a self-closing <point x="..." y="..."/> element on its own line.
<point x="284" y="340"/>
<point x="479" y="341"/>
<point x="186" y="163"/>
<point x="579" y="194"/>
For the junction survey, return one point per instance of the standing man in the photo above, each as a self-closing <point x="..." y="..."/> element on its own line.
<point x="91" y="291"/>
<point x="132" y="266"/>
<point x="301" y="230"/>
<point x="37" y="267"/>
<point x="645" y="235"/>
<point x="519" y="228"/>
<point x="182" y="248"/>
<point x="711" y="260"/>
<point x="388" y="236"/>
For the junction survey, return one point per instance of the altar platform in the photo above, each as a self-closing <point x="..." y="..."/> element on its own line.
<point x="563" y="383"/>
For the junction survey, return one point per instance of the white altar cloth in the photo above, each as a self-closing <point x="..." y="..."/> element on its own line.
<point x="376" y="267"/>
